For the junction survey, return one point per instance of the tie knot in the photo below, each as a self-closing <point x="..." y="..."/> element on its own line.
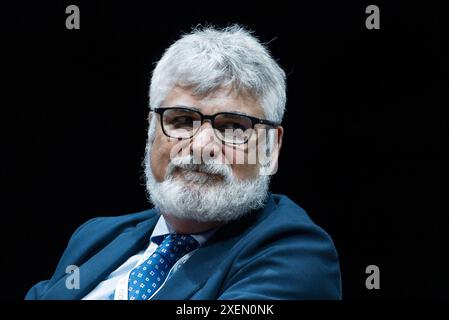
<point x="174" y="246"/>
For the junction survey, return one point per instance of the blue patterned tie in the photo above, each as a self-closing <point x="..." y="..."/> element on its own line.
<point x="147" y="278"/>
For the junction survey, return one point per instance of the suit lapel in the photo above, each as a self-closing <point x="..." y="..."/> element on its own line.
<point x="192" y="275"/>
<point x="98" y="267"/>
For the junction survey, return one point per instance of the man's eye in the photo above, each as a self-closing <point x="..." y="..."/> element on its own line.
<point x="182" y="121"/>
<point x="232" y="126"/>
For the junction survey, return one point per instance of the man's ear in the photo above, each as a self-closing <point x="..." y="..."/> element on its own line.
<point x="150" y="115"/>
<point x="274" y="150"/>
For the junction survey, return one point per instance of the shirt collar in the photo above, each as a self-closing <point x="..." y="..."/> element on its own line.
<point x="163" y="228"/>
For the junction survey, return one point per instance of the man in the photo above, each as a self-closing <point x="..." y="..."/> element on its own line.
<point x="215" y="232"/>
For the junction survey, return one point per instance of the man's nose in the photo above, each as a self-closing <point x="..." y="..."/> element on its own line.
<point x="205" y="138"/>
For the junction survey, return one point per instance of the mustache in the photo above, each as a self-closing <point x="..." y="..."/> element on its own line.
<point x="211" y="167"/>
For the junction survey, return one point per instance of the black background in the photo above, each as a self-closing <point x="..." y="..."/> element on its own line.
<point x="366" y="128"/>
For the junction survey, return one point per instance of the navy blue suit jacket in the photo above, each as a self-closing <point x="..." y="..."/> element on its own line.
<point x="273" y="253"/>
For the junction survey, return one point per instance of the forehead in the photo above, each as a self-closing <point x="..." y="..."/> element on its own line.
<point x="220" y="100"/>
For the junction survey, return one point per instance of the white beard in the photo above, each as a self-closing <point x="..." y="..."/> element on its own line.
<point x="197" y="196"/>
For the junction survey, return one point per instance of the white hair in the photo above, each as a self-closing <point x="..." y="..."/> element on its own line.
<point x="209" y="58"/>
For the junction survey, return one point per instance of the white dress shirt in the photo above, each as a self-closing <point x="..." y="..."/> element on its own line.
<point x="117" y="282"/>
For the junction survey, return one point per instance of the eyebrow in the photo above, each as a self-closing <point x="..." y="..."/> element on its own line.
<point x="196" y="109"/>
<point x="184" y="106"/>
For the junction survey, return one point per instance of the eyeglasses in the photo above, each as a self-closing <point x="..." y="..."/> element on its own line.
<point x="229" y="127"/>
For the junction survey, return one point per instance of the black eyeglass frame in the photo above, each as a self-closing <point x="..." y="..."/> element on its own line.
<point x="254" y="120"/>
